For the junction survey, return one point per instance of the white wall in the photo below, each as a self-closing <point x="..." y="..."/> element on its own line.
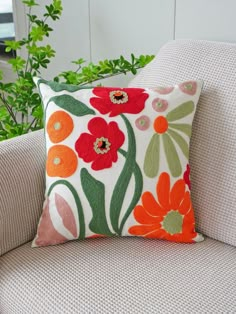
<point x="98" y="29"/>
<point x="70" y="37"/>
<point x="206" y="19"/>
<point x="129" y="26"/>
<point x="125" y="26"/>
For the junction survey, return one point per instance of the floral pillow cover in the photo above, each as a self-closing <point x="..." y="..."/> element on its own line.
<point x="117" y="162"/>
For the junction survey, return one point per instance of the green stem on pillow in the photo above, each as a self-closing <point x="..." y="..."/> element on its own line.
<point x="137" y="192"/>
<point x="122" y="183"/>
<point x="78" y="204"/>
<point x="94" y="190"/>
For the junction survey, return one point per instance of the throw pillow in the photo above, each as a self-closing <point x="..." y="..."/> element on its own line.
<point x="117" y="162"/>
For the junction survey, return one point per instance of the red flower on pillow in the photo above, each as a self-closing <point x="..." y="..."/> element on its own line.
<point x="118" y="100"/>
<point x="101" y="146"/>
<point x="186" y="177"/>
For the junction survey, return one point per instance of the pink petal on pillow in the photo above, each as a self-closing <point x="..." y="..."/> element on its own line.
<point x="189" y="87"/>
<point x="142" y="123"/>
<point x="66" y="214"/>
<point x="47" y="234"/>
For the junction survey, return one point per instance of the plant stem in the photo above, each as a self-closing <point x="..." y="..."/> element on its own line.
<point x="45" y="19"/>
<point x="22" y="117"/>
<point x="108" y="76"/>
<point x="79" y="68"/>
<point x="32" y="122"/>
<point x="28" y="54"/>
<point x="8" y="108"/>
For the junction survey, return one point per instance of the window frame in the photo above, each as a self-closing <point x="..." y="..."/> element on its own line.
<point x="6" y="18"/>
<point x="20" y="25"/>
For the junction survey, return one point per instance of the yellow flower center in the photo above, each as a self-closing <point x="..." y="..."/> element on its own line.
<point x="102" y="145"/>
<point x="118" y="97"/>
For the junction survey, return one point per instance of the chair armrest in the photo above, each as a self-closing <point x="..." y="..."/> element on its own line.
<point x="22" y="187"/>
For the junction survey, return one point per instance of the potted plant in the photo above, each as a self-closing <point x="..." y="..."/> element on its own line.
<point x="20" y="105"/>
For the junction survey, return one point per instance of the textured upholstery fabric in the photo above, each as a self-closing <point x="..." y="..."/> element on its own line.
<point x="122" y="275"/>
<point x="213" y="143"/>
<point x="21" y="189"/>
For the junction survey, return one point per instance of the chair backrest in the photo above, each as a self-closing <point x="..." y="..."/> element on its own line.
<point x="22" y="188"/>
<point x="213" y="143"/>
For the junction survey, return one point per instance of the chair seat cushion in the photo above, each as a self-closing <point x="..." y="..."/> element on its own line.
<point x="115" y="275"/>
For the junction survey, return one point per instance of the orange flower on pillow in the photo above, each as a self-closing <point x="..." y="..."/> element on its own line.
<point x="169" y="217"/>
<point x="59" y="126"/>
<point x="61" y="162"/>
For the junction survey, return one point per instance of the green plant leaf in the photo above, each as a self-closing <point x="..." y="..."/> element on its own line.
<point x="71" y="105"/>
<point x="171" y="156"/>
<point x="104" y="69"/>
<point x="12" y="45"/>
<point x="79" y="61"/>
<point x="37" y="33"/>
<point x="37" y="112"/>
<point x="152" y="157"/>
<point x="17" y="63"/>
<point x="30" y="3"/>
<point x="57" y="4"/>
<point x="181" y="111"/>
<point x="3" y="114"/>
<point x="95" y="193"/>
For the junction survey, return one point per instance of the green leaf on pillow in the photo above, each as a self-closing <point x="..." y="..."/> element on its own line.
<point x="71" y="105"/>
<point x="172" y="156"/>
<point x="58" y="87"/>
<point x="180" y="141"/>
<point x="95" y="193"/>
<point x="137" y="192"/>
<point x="183" y="127"/>
<point x="123" y="181"/>
<point x="181" y="111"/>
<point x="152" y="157"/>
